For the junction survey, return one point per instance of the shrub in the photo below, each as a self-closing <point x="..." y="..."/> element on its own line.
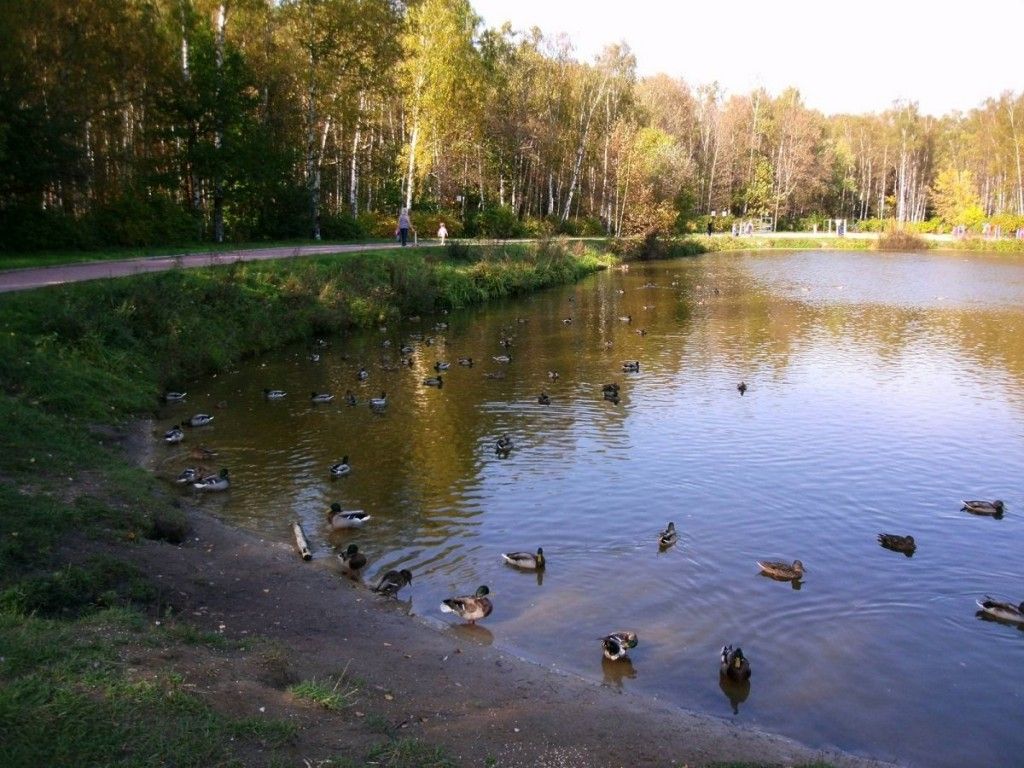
<point x="898" y="239"/>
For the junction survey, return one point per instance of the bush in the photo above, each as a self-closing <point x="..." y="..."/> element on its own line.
<point x="898" y="239"/>
<point x="499" y="222"/>
<point x="341" y="226"/>
<point x="102" y="582"/>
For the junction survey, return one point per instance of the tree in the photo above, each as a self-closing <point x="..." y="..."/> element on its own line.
<point x="955" y="199"/>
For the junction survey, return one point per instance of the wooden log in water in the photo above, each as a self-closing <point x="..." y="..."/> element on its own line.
<point x="300" y="541"/>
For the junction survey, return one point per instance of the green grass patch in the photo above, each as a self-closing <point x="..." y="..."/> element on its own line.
<point x="333" y="693"/>
<point x="409" y="753"/>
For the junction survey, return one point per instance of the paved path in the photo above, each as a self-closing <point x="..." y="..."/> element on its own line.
<point x="39" y="277"/>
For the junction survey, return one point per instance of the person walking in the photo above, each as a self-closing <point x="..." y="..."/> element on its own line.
<point x="442" y="232"/>
<point x="403" y="226"/>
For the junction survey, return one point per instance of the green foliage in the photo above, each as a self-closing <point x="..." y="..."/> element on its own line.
<point x="333" y="694"/>
<point x="409" y="753"/>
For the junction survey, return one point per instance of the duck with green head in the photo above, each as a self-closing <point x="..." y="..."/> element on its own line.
<point x="617" y="645"/>
<point x="470" y="608"/>
<point x="526" y="561"/>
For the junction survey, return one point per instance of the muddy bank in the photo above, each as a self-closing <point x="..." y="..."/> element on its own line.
<point x="444" y="686"/>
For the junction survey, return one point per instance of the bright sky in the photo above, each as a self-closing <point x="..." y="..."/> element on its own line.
<point x="844" y="57"/>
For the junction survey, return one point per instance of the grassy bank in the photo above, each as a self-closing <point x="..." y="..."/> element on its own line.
<point x="76" y="358"/>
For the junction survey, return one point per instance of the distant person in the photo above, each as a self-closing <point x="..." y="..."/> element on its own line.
<point x="442" y="233"/>
<point x="404" y="226"/>
<point x="711" y="228"/>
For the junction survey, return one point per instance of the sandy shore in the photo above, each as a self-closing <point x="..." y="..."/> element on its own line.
<point x="441" y="686"/>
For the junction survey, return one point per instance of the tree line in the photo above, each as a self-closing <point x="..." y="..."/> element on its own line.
<point x="168" y="121"/>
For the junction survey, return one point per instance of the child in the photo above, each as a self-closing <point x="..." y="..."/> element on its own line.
<point x="442" y="233"/>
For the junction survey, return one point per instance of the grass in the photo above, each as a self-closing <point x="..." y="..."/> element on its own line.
<point x="333" y="694"/>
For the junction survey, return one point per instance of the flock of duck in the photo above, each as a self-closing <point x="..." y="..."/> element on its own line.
<point x="734" y="667"/>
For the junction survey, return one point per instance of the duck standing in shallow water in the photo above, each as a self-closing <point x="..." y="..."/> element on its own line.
<point x="338" y="518"/>
<point x="342" y="468"/>
<point x="896" y="543"/>
<point x="668" y="537"/>
<point x="214" y="482"/>
<point x="352" y="560"/>
<point x="987" y="508"/>
<point x="526" y="561"/>
<point x="471" y="608"/>
<point x="174" y="435"/>
<point x="782" y="571"/>
<point x="392" y="581"/>
<point x="617" y="645"/>
<point x="734" y="664"/>
<point x="1002" y="611"/>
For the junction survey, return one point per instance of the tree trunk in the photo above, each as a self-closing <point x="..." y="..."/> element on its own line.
<point x="218" y="136"/>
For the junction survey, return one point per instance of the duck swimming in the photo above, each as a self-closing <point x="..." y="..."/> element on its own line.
<point x="544" y="399"/>
<point x="1002" y="611"/>
<point x="320" y="397"/>
<point x="392" y="581"/>
<point x="214" y="482"/>
<point x="631" y="366"/>
<point x="989" y="508"/>
<point x="342" y="468"/>
<point x="526" y="561"/>
<point x="896" y="543"/>
<point x="434" y="381"/>
<point x="274" y="394"/>
<point x="780" y="570"/>
<point x="200" y="420"/>
<point x="742" y="388"/>
<point x="472" y="608"/>
<point x="617" y="645"/>
<point x="379" y="402"/>
<point x="174" y="435"/>
<point x="174" y="397"/>
<point x="734" y="664"/>
<point x="503" y="445"/>
<point x="338" y="518"/>
<point x="668" y="537"/>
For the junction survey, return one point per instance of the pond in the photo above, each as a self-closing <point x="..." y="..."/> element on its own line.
<point x="881" y="390"/>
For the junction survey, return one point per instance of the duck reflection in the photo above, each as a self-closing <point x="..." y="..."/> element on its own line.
<point x="615" y="672"/>
<point x="736" y="691"/>
<point x="474" y="632"/>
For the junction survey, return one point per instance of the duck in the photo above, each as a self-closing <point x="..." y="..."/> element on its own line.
<point x="626" y="318"/>
<point x="741" y="388"/>
<point x="990" y="508"/>
<point x="352" y="560"/>
<point x="780" y="570"/>
<point x="202" y="453"/>
<point x="392" y="581"/>
<point x="566" y="321"/>
<point x="631" y="366"/>
<point x="214" y="482"/>
<point x="897" y="543"/>
<point x="668" y="537"/>
<point x="495" y="375"/>
<point x="641" y="331"/>
<point x="525" y="560"/>
<point x="274" y="394"/>
<point x="502" y="358"/>
<point x="350" y="398"/>
<point x="200" y="420"/>
<point x="315" y="357"/>
<point x="471" y="607"/>
<point x="379" y="402"/>
<point x="405" y="349"/>
<point x="174" y="435"/>
<point x="1003" y="611"/>
<point x="189" y="475"/>
<point x="174" y="397"/>
<point x="610" y="390"/>
<point x="734" y="664"/>
<point x="553" y="375"/>
<point x="338" y="518"/>
<point x="617" y="645"/>
<point x="342" y="468"/>
<point x="544" y="398"/>
<point x="434" y="381"/>
<point x="320" y="397"/>
<point x="503" y="445"/>
<point x="440" y="326"/>
<point x="466" y="362"/>
<point x="442" y="365"/>
<point x="363" y="374"/>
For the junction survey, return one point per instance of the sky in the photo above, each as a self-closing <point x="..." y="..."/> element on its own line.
<point x="853" y="57"/>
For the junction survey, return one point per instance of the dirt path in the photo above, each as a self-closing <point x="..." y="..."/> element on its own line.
<point x="442" y="686"/>
<point x="39" y="277"/>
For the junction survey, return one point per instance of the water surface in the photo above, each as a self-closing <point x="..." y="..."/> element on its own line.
<point x="882" y="389"/>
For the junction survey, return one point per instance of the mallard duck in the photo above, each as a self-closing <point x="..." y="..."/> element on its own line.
<point x="315" y="357"/>
<point x="405" y="349"/>
<point x="338" y="518"/>
<point x="626" y="318"/>
<point x="472" y="607"/>
<point x="320" y="397"/>
<point x="466" y="362"/>
<point x="363" y="374"/>
<point x="904" y="544"/>
<point x="502" y="358"/>
<point x="553" y="375"/>
<point x="641" y="331"/>
<point x="618" y="644"/>
<point x="780" y="570"/>
<point x="352" y="559"/>
<point x="566" y="321"/>
<point x="350" y="398"/>
<point x="174" y="435"/>
<point x="392" y="581"/>
<point x="379" y="402"/>
<point x="734" y="664"/>
<point x="526" y="560"/>
<point x="342" y="468"/>
<point x="668" y="537"/>
<point x="1003" y="611"/>
<point x="434" y="381"/>
<point x="442" y="365"/>
<point x="503" y="445"/>
<point x="990" y="508"/>
<point x="200" y="420"/>
<point x="544" y="399"/>
<point x="274" y="394"/>
<point x="214" y="482"/>
<point x="631" y="366"/>
<point x="610" y="390"/>
<point x="174" y="397"/>
<point x="440" y="326"/>
<point x="741" y="388"/>
<point x="189" y="475"/>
